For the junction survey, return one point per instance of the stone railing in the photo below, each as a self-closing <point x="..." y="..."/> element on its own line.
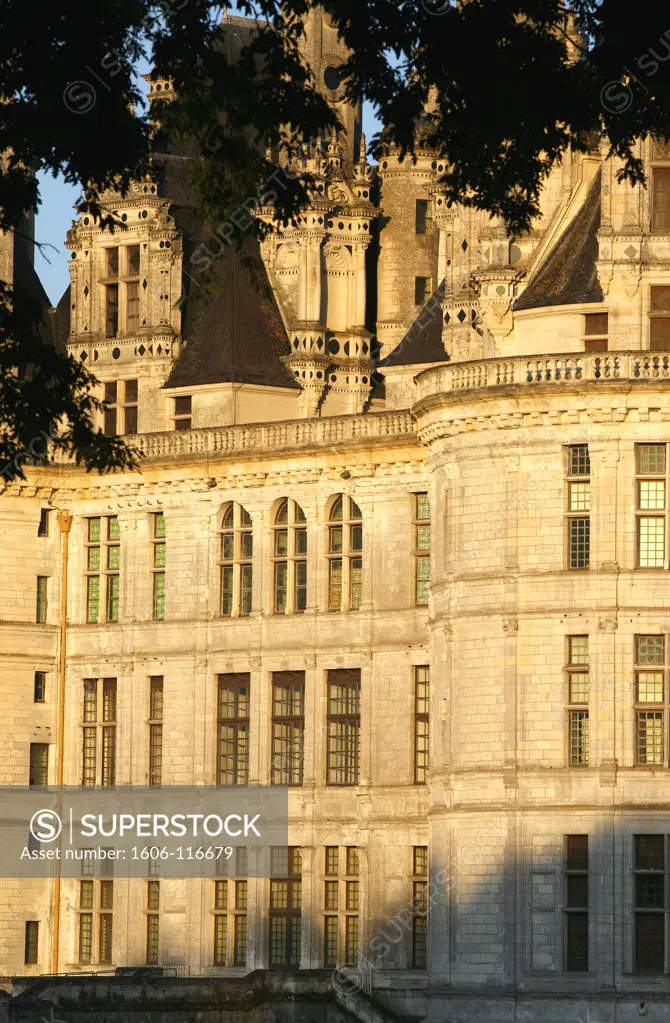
<point x="527" y="370"/>
<point x="282" y="436"/>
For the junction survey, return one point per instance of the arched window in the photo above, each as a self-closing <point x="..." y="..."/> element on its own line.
<point x="290" y="558"/>
<point x="236" y="552"/>
<point x="345" y="546"/>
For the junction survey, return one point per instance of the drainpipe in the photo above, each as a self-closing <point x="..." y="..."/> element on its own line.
<point x="65" y="524"/>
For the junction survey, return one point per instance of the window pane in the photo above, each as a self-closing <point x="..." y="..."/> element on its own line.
<point x="595" y="323"/>
<point x="579" y="687"/>
<point x="577" y="891"/>
<point x="650" y="942"/>
<point x="650" y="649"/>
<point x="577" y="852"/>
<point x="356" y="583"/>
<point x="649" y="737"/>
<point x="579" y="496"/>
<point x="652" y="542"/>
<point x="652" y="495"/>
<point x="650" y="891"/>
<point x="281" y="542"/>
<point x="580" y="534"/>
<point x="652" y="459"/>
<point x="579" y="463"/>
<point x="579" y="737"/>
<point x="577" y="952"/>
<point x="650" y="686"/>
<point x="113" y="262"/>
<point x="133" y="259"/>
<point x="660" y="218"/>
<point x="578" y="649"/>
<point x="650" y="852"/>
<point x="335" y="539"/>
<point x="335" y="585"/>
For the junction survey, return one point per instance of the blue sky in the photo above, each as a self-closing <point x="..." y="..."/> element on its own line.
<point x="55" y="214"/>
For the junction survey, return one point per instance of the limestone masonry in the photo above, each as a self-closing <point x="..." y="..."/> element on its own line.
<point x="398" y="540"/>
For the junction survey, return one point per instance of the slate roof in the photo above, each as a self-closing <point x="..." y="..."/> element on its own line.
<point x="232" y="327"/>
<point x="423" y="341"/>
<point x="568" y="274"/>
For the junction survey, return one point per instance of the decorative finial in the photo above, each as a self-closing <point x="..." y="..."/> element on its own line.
<point x="363" y="151"/>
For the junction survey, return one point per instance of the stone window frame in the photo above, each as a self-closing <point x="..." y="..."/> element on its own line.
<point x="95" y="922"/>
<point x="577" y="507"/>
<point x="103" y="568"/>
<point x="282" y="765"/>
<point x="117" y="281"/>
<point x="648" y="508"/>
<point x="235" y="727"/>
<point x="121" y="404"/>
<point x="576" y="902"/>
<point x="577" y="707"/>
<point x="289" y="558"/>
<point x="344" y="515"/>
<point x="155" y="729"/>
<point x="285" y="907"/>
<point x="235" y="560"/>
<point x="99" y="717"/>
<point x="152" y="914"/>
<point x="421" y="551"/>
<point x="158" y="565"/>
<point x="647" y="708"/>
<point x="594" y="339"/>
<point x="419" y="904"/>
<point x="229" y="901"/>
<point x="421" y="716"/>
<point x="340" y="904"/>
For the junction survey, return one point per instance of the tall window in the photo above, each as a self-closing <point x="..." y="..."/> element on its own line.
<point x="155" y="729"/>
<point x="421" y="722"/>
<point x="41" y="606"/>
<point x="121" y="284"/>
<point x="288" y="727"/>
<point x="660" y="192"/>
<point x="96" y="903"/>
<point x="421" y="548"/>
<point x="596" y="328"/>
<point x="153" y="921"/>
<point x="103" y="564"/>
<point x="423" y="288"/>
<point x="659" y="319"/>
<point x="423" y="216"/>
<point x="32" y="942"/>
<point x="158" y="560"/>
<point x="577" y="902"/>
<point x="40" y="687"/>
<point x="111" y="310"/>
<point x="419" y="907"/>
<point x="651" y="485"/>
<point x="120" y="412"/>
<point x="233" y="730"/>
<point x="577" y="672"/>
<point x="345" y="563"/>
<point x="285" y="906"/>
<point x="237" y="548"/>
<point x="651" y="696"/>
<point x="578" y="506"/>
<point x="99" y="732"/>
<point x="344" y="726"/>
<point x="290" y="559"/>
<point x="649" y="901"/>
<point x="230" y="915"/>
<point x="43" y="526"/>
<point x="341" y="906"/>
<point x="182" y="412"/>
<point x="39" y="764"/>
